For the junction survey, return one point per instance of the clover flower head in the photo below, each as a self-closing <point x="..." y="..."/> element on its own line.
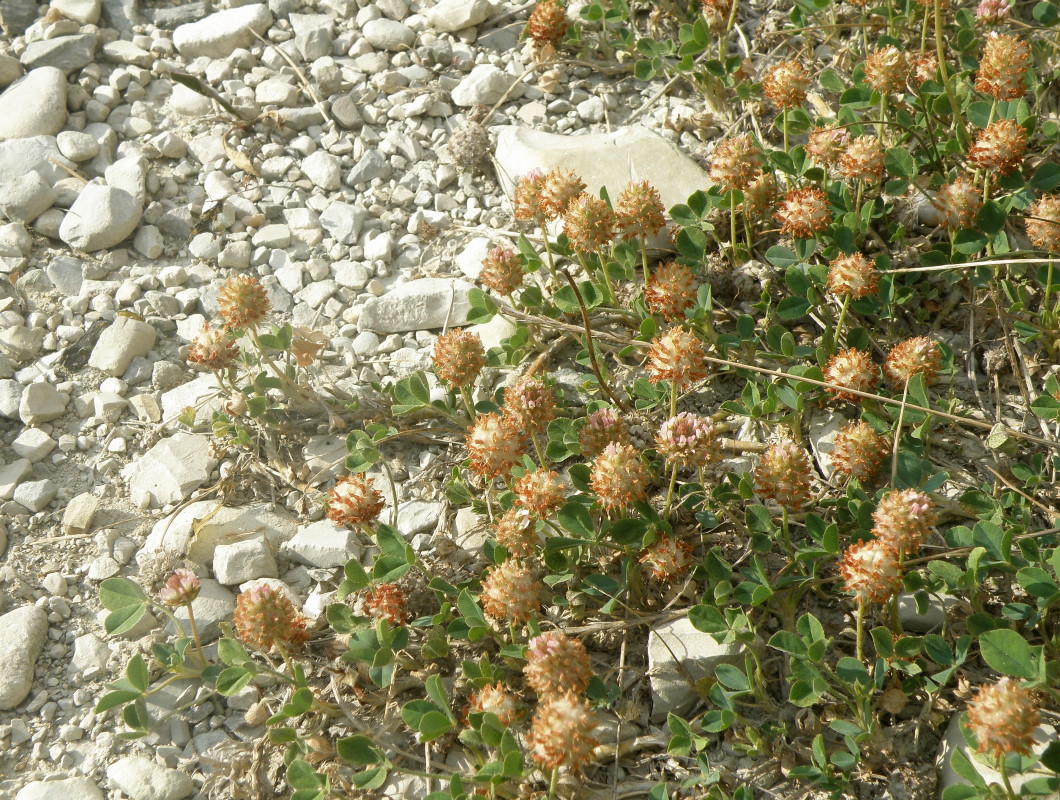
<point x="1003" y="716"/>
<point x="516" y="531"/>
<point x="510" y="593"/>
<point x="676" y="356"/>
<point x="619" y="477"/>
<point x="213" y="349"/>
<point x="957" y="203"/>
<point x="354" y="500"/>
<point x="804" y="213"/>
<point x="494" y="445"/>
<point x="667" y="558"/>
<point x="242" y="303"/>
<point x="853" y="276"/>
<point x="180" y="589"/>
<point x="688" y="440"/>
<point x="561" y="733"/>
<point x="502" y="271"/>
<point x="871" y="571"/>
<point x="736" y="162"/>
<point x="858" y="451"/>
<point x="671" y="291"/>
<point x="904" y="518"/>
<point x="785" y="84"/>
<point x="918" y="355"/>
<point x="556" y="664"/>
<point x="601" y="428"/>
<point x="783" y="475"/>
<point x="640" y="210"/>
<point x="1044" y="231"/>
<point x="862" y="160"/>
<point x="458" y="358"/>
<point x="999" y="147"/>
<point x="1003" y="67"/>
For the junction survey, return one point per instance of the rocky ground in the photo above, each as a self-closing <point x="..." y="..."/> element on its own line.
<point x="128" y="199"/>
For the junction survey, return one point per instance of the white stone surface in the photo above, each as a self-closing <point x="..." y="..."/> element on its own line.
<point x="121" y="342"/>
<point x="244" y="561"/>
<point x="41" y="402"/>
<point x="455" y="15"/>
<point x="417" y="516"/>
<point x="64" y="789"/>
<point x="34" y="105"/>
<point x="483" y="86"/>
<point x="101" y="217"/>
<point x="323" y="169"/>
<point x="324" y="544"/>
<point x="422" y="304"/>
<point x="386" y="34"/>
<point x="217" y="35"/>
<point x="23" y="632"/>
<point x="143" y="779"/>
<point x="26" y="197"/>
<point x="175" y="535"/>
<point x="171" y="469"/>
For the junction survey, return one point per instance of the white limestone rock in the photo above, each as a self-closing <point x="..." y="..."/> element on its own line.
<point x="169" y="471"/>
<point x="143" y="779"/>
<point x="23" y="632"/>
<point x="34" y="105"/>
<point x="100" y="218"/>
<point x="217" y="35"/>
<point x="418" y="305"/>
<point x="63" y="789"/>
<point x="454" y="15"/>
<point x="125" y="339"/>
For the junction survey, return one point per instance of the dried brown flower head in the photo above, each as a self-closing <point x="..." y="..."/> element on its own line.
<point x="516" y="531"/>
<point x="540" y="492"/>
<point x="590" y="224"/>
<point x="886" y="69"/>
<point x="529" y="202"/>
<point x="871" y="571"/>
<point x="502" y="271"/>
<point x="494" y="445"/>
<point x="561" y="733"/>
<point x="676" y="356"/>
<point x="783" y="475"/>
<point x="803" y="213"/>
<point x="306" y="345"/>
<point x="957" y="203"/>
<point x="242" y="303"/>
<point x="667" y="558"/>
<point x="761" y="194"/>
<point x="924" y="65"/>
<point x="999" y="147"/>
<point x="671" y="291"/>
<point x="854" y="276"/>
<point x="547" y="24"/>
<point x="1044" y="230"/>
<point x="736" y="162"/>
<point x="862" y="160"/>
<point x="458" y="358"/>
<point x="618" y="477"/>
<point x="858" y="451"/>
<point x="916" y="356"/>
<point x="1003" y="717"/>
<point x="904" y="518"/>
<point x="1003" y="67"/>
<point x="716" y="14"/>
<point x="826" y="144"/>
<point x="354" y="501"/>
<point x="510" y="593"/>
<point x="562" y="188"/>
<point x="851" y="369"/>
<point x="213" y="349"/>
<point x="556" y="664"/>
<point x="640" y="210"/>
<point x="387" y="601"/>
<point x="785" y="84"/>
<point x="688" y="440"/>
<point x="602" y="427"/>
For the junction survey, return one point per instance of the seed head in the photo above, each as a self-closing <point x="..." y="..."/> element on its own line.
<point x="736" y="162"/>
<point x="529" y="203"/>
<point x="530" y="404"/>
<point x="561" y="734"/>
<point x="999" y="147"/>
<point x="502" y="271"/>
<point x="1003" y="67"/>
<point x="387" y="601"/>
<point x="1003" y="717"/>
<point x="556" y="664"/>
<point x="851" y="369"/>
<point x="618" y="477"/>
<point x="804" y="213"/>
<point x="547" y="24"/>
<point x="862" y="160"/>
<point x="924" y="65"/>
<point x="494" y="445"/>
<point x="854" y="276"/>
<point x="676" y="356"/>
<point x="903" y="519"/>
<point x="688" y="440"/>
<point x="242" y="303"/>
<point x="640" y="210"/>
<point x="516" y="531"/>
<point x="354" y="501"/>
<point x="716" y="14"/>
<point x="886" y="69"/>
<point x="562" y="188"/>
<point x="992" y="12"/>
<point x="265" y="617"/>
<point x="510" y="593"/>
<point x="182" y="587"/>
<point x="540" y="492"/>
<point x="589" y="223"/>
<point x="761" y="194"/>
<point x="957" y="203"/>
<point x="458" y="358"/>
<point x="785" y="84"/>
<point x="667" y="558"/>
<point x="826" y="144"/>
<point x="783" y="475"/>
<point x="871" y="571"/>
<point x="671" y="291"/>
<point x="1044" y="232"/>
<point x="493" y="698"/>
<point x="858" y="451"/>
<point x="916" y="356"/>
<point x="602" y="427"/>
<point x="213" y="349"/>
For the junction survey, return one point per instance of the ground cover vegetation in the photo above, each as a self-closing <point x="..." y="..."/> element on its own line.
<point x="877" y="249"/>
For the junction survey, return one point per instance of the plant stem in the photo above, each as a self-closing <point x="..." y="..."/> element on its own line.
<point x="859" y="630"/>
<point x="1003" y="769"/>
<point x="839" y="324"/>
<point x="732" y="224"/>
<point x="786" y="531"/>
<point x="958" y="120"/>
<point x="670" y="490"/>
<point x="784" y="123"/>
<point x="898" y="433"/>
<point x="465" y="395"/>
<point x="195" y="633"/>
<point x="883" y="116"/>
<point x="553" y="782"/>
<point x="644" y="259"/>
